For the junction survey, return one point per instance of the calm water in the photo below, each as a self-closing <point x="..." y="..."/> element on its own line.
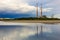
<point x="35" y="31"/>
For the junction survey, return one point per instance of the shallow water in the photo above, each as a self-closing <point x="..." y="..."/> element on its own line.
<point x="34" y="31"/>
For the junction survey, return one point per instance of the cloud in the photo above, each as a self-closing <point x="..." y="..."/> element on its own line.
<point x="47" y="9"/>
<point x="15" y="5"/>
<point x="29" y="6"/>
<point x="57" y="16"/>
<point x="18" y="6"/>
<point x="54" y="4"/>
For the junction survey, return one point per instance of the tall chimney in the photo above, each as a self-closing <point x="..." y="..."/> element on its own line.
<point x="41" y="10"/>
<point x="37" y="8"/>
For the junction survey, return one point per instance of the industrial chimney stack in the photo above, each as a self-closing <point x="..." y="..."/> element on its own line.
<point x="41" y="11"/>
<point x="37" y="8"/>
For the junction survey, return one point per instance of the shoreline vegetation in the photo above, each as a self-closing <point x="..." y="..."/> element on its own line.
<point x="30" y="18"/>
<point x="33" y="20"/>
<point x="44" y="17"/>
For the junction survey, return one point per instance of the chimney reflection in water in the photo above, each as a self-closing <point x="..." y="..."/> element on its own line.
<point x="41" y="33"/>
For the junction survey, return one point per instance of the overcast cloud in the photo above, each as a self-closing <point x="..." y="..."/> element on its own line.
<point x="26" y="6"/>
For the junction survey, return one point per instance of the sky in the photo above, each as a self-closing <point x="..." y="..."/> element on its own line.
<point x="27" y="8"/>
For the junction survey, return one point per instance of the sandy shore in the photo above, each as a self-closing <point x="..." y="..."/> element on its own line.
<point x="18" y="23"/>
<point x="35" y="21"/>
<point x="12" y="23"/>
<point x="28" y="22"/>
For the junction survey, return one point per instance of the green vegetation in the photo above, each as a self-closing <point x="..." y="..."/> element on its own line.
<point x="30" y="18"/>
<point x="36" y="18"/>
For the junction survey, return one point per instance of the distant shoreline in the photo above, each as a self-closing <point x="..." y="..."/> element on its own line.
<point x="34" y="21"/>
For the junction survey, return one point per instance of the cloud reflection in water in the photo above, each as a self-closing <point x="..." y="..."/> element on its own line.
<point x="15" y="32"/>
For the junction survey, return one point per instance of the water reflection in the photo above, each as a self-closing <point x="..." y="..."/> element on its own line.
<point x="32" y="32"/>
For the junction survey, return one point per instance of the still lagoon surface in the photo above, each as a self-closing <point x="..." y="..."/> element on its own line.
<point x="31" y="31"/>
